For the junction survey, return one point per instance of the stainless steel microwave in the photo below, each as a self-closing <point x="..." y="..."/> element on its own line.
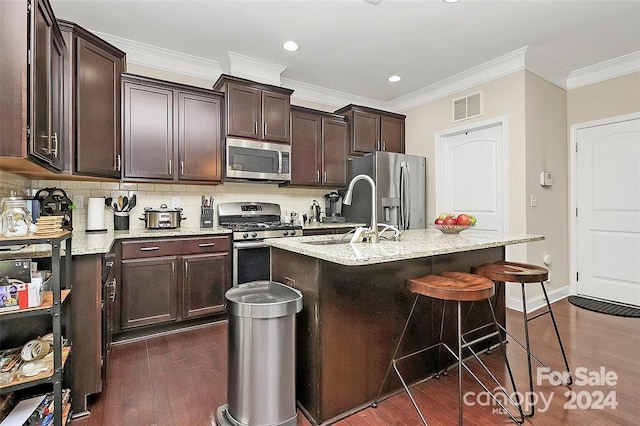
<point x="255" y="160"/>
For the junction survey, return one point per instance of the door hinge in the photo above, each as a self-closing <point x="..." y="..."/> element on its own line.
<point x="576" y="212"/>
<point x="576" y="147"/>
<point x="28" y="5"/>
<point x="577" y="276"/>
<point x="29" y="57"/>
<point x="101" y="361"/>
<point x="28" y="131"/>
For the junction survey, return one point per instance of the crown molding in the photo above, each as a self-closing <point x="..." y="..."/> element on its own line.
<point x="329" y="97"/>
<point x="606" y="70"/>
<point x="164" y="59"/>
<point x="496" y="68"/>
<point x="544" y="68"/>
<point x="255" y="69"/>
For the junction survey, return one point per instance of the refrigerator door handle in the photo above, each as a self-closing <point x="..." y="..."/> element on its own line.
<point x="401" y="219"/>
<point x="406" y="201"/>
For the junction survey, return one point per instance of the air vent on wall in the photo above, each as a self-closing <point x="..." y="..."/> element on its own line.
<point x="467" y="107"/>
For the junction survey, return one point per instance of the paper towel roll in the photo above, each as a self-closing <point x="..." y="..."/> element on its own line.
<point x="95" y="214"/>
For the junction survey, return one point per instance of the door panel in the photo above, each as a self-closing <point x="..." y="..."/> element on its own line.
<point x="205" y="281"/>
<point x="334" y="152"/>
<point x="392" y="134"/>
<point x="608" y="222"/>
<point x="199" y="137"/>
<point x="366" y="131"/>
<point x="470" y="179"/>
<point x="306" y="141"/>
<point x="243" y="114"/>
<point x="41" y="124"/>
<point x="275" y="117"/>
<point x="148" y="137"/>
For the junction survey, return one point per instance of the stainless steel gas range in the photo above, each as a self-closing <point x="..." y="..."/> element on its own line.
<point x="251" y="223"/>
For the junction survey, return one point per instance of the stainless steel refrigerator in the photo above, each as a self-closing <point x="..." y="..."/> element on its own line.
<point x="400" y="190"/>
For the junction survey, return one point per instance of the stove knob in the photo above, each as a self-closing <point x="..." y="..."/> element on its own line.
<point x="254" y="234"/>
<point x="285" y="233"/>
<point x="245" y="236"/>
<point x="292" y="233"/>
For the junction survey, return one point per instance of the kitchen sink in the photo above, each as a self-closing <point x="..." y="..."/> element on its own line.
<point x="326" y="242"/>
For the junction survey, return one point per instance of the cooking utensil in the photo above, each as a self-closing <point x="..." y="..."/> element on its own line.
<point x="132" y="202"/>
<point x="120" y="201"/>
<point x="115" y="206"/>
<point x="125" y="203"/>
<point x="108" y="201"/>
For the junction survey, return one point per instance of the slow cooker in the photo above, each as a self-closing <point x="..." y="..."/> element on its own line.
<point x="161" y="218"/>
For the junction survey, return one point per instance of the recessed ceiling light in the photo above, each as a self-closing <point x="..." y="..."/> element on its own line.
<point x="450" y="1"/>
<point x="394" y="78"/>
<point x="291" y="46"/>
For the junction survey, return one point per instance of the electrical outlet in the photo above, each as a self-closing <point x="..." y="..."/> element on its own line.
<point x="175" y="201"/>
<point x="78" y="201"/>
<point x="534" y="200"/>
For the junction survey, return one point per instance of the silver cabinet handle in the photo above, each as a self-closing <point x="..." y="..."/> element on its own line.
<point x="378" y="145"/>
<point x="181" y="167"/>
<point x="54" y="139"/>
<point x="265" y="129"/>
<point x="169" y="166"/>
<point x="206" y="244"/>
<point x="317" y="175"/>
<point x="384" y="145"/>
<point x="186" y="270"/>
<point x="149" y="248"/>
<point x="255" y="131"/>
<point x="325" y="176"/>
<point x="118" y="163"/>
<point x="109" y="264"/>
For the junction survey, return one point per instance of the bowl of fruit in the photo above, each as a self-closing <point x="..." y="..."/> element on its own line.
<point x="450" y="223"/>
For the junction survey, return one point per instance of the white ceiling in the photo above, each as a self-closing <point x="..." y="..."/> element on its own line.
<point x="353" y="46"/>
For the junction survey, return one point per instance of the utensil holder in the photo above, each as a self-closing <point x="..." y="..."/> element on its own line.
<point x="206" y="217"/>
<point x="121" y="221"/>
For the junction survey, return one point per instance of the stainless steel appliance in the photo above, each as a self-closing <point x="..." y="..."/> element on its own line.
<point x="333" y="208"/>
<point x="253" y="160"/>
<point x="164" y="217"/>
<point x="400" y="182"/>
<point x="251" y="223"/>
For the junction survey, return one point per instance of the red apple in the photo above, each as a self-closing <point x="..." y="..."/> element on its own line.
<point x="439" y="221"/>
<point x="463" y="219"/>
<point x="449" y="220"/>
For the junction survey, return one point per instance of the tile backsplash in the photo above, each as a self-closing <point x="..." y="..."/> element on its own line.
<point x="186" y="196"/>
<point x="12" y="183"/>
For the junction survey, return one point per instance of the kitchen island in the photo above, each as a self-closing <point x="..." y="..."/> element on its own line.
<point x="356" y="304"/>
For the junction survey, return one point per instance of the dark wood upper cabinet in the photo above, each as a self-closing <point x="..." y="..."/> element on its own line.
<point x="31" y="88"/>
<point x="318" y="148"/>
<point x="255" y="110"/>
<point x="373" y="130"/>
<point x="171" y="131"/>
<point x="92" y="89"/>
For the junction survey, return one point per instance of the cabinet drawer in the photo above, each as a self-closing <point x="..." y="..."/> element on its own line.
<point x="205" y="245"/>
<point x="174" y="247"/>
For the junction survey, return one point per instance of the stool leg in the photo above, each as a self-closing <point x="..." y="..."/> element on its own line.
<point x="460" y="405"/>
<point x="528" y="349"/>
<point x="444" y="371"/>
<point x="555" y="327"/>
<point x="395" y="352"/>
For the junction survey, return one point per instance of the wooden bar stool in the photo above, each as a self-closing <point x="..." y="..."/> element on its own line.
<point x="524" y="273"/>
<point x="459" y="287"/>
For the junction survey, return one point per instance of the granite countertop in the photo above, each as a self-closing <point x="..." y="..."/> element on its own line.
<point x="413" y="244"/>
<point x="83" y="243"/>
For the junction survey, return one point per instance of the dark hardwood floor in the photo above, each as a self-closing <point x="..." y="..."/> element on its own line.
<point x="180" y="379"/>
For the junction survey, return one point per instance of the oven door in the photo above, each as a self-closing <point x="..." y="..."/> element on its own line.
<point x="257" y="160"/>
<point x="251" y="262"/>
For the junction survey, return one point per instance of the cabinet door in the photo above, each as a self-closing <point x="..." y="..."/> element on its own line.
<point x="148" y="291"/>
<point x="243" y="111"/>
<point x="275" y="116"/>
<point x="199" y="135"/>
<point x="57" y="135"/>
<point x="97" y="143"/>
<point x="204" y="282"/>
<point x="148" y="132"/>
<point x="306" y="143"/>
<point x="334" y="152"/>
<point x="392" y="134"/>
<point x="365" y="132"/>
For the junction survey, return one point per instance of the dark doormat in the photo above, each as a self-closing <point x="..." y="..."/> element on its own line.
<point x="605" y="307"/>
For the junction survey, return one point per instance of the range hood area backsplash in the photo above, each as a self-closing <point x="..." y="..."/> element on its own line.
<point x="186" y="196"/>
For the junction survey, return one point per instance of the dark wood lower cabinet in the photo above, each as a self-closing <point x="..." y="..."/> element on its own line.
<point x="171" y="280"/>
<point x="205" y="280"/>
<point x="148" y="291"/>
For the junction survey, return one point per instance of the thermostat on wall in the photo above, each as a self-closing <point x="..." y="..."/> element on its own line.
<point x="546" y="178"/>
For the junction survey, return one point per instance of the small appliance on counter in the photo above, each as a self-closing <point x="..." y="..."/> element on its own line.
<point x="162" y="218"/>
<point x="95" y="215"/>
<point x="333" y="208"/>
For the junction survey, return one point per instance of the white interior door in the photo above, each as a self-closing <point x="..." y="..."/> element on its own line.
<point x="470" y="176"/>
<point x="608" y="216"/>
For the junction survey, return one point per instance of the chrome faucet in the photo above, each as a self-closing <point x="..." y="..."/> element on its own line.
<point x="370" y="233"/>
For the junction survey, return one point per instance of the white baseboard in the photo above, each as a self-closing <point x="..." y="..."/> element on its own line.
<point x="538" y="302"/>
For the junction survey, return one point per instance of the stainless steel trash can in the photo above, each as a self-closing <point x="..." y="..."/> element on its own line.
<point x="261" y="379"/>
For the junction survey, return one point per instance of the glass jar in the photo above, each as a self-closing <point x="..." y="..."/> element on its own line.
<point x="16" y="219"/>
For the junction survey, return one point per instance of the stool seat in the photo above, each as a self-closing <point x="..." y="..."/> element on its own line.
<point x="452" y="286"/>
<point x="512" y="272"/>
